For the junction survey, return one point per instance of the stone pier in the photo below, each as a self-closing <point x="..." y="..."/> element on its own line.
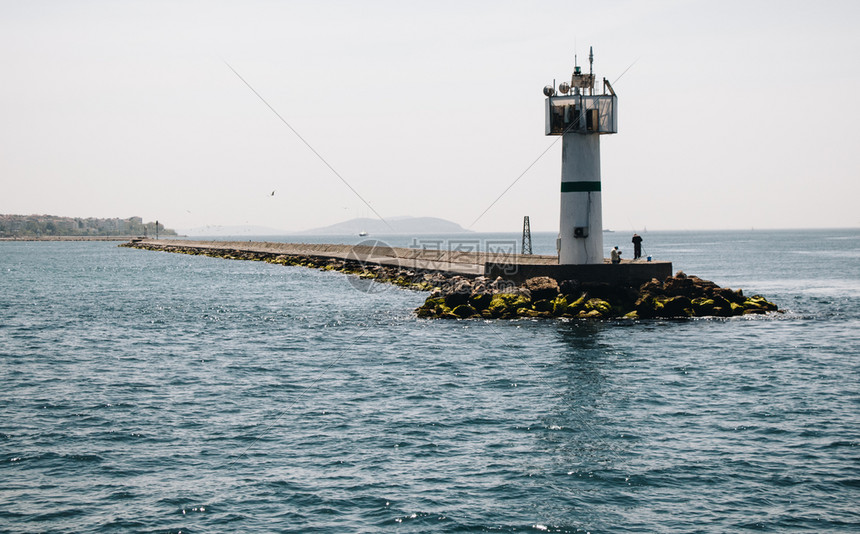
<point x="514" y="267"/>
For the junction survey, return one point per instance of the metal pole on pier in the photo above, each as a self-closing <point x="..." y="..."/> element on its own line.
<point x="527" y="236"/>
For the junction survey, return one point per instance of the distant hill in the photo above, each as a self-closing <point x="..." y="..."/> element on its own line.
<point x="396" y="225"/>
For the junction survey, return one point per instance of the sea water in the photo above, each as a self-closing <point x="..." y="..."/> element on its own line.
<point x="155" y="392"/>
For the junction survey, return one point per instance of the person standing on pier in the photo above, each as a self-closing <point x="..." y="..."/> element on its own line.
<point x="637" y="246"/>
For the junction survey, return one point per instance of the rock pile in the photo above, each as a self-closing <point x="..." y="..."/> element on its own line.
<point x="677" y="296"/>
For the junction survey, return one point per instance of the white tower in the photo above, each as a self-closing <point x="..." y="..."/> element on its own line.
<point x="580" y="117"/>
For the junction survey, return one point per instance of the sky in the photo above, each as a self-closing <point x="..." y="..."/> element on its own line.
<point x="731" y="115"/>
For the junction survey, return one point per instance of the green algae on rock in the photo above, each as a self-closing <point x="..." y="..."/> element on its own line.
<point x="678" y="296"/>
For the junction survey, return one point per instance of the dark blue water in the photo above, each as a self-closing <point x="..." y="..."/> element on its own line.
<point x="156" y="392"/>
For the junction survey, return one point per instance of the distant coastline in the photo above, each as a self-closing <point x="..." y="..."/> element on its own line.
<point x="39" y="227"/>
<point x="69" y="238"/>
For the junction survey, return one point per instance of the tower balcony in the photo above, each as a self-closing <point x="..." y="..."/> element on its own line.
<point x="585" y="114"/>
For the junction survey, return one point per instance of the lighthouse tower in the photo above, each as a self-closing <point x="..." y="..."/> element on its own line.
<point x="580" y="117"/>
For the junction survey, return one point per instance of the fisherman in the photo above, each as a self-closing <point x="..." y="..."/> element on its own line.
<point x="615" y="254"/>
<point x="637" y="246"/>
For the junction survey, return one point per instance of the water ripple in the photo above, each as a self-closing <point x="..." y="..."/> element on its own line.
<point x="155" y="392"/>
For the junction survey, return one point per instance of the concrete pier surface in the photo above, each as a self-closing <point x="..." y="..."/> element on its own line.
<point x="514" y="267"/>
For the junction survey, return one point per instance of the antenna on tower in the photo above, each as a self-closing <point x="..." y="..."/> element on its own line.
<point x="591" y="60"/>
<point x="591" y="68"/>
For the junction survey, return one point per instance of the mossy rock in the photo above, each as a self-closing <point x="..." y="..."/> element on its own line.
<point x="541" y="288"/>
<point x="514" y="300"/>
<point x="497" y="306"/>
<point x="679" y="306"/>
<point x="455" y="299"/>
<point x="506" y="304"/>
<point x="760" y="302"/>
<point x="702" y="306"/>
<point x="645" y="306"/>
<point x="721" y="302"/>
<point x="543" y="306"/>
<point x="481" y="301"/>
<point x="720" y="311"/>
<point x="577" y="304"/>
<point x="425" y="312"/>
<point x="736" y="309"/>
<point x="599" y="305"/>
<point x="433" y="302"/>
<point x="495" y="313"/>
<point x="750" y="304"/>
<point x="591" y="314"/>
<point x="559" y="306"/>
<point x="632" y="315"/>
<point x="464" y="311"/>
<point x="433" y="307"/>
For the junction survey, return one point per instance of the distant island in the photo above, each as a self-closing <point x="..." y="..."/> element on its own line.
<point x="393" y="225"/>
<point x="27" y="226"/>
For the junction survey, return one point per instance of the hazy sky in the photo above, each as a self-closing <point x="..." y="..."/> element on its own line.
<point x="734" y="115"/>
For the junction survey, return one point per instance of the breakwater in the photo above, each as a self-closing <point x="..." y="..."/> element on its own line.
<point x="370" y="253"/>
<point x="459" y="288"/>
<point x="418" y="269"/>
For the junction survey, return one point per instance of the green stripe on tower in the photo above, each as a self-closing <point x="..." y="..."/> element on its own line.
<point x="579" y="187"/>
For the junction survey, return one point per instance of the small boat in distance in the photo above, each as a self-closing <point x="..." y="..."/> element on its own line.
<point x="362" y="234"/>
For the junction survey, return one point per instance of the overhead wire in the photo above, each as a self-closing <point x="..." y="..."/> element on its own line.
<point x="532" y="164"/>
<point x="307" y="144"/>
